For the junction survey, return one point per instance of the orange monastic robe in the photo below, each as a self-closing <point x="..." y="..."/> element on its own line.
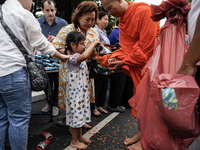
<point x="137" y="34"/>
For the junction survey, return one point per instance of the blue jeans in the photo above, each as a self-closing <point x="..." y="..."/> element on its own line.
<point x="15" y="109"/>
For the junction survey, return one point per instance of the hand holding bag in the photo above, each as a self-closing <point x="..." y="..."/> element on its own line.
<point x="38" y="77"/>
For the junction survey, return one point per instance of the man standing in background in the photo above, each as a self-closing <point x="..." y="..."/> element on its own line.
<point x="51" y="25"/>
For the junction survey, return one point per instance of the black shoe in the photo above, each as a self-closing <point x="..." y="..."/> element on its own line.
<point x="118" y="109"/>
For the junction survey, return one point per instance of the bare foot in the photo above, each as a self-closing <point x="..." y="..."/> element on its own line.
<point x="85" y="140"/>
<point x="136" y="146"/>
<point x="96" y="113"/>
<point x="132" y="140"/>
<point x="78" y="145"/>
<point x="86" y="126"/>
<point x="102" y="110"/>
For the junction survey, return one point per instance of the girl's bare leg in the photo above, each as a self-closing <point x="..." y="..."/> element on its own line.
<point x="75" y="141"/>
<point x="83" y="139"/>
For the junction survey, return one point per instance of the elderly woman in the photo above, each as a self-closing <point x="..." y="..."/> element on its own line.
<point x="101" y="79"/>
<point x="83" y="18"/>
<point x="15" y="88"/>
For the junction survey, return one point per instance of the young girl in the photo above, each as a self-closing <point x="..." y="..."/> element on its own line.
<point x="77" y="93"/>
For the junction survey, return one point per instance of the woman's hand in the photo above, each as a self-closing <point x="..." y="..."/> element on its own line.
<point x="64" y="57"/>
<point x="61" y="56"/>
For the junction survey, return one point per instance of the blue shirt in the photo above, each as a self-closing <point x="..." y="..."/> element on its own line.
<point x="114" y="36"/>
<point x="52" y="29"/>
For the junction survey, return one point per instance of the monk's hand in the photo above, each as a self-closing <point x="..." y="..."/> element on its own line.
<point x="171" y="13"/>
<point x="115" y="66"/>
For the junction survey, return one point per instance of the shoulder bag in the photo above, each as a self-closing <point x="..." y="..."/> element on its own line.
<point x="38" y="77"/>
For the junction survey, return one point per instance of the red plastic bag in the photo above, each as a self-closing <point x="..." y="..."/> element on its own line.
<point x="182" y="122"/>
<point x="161" y="127"/>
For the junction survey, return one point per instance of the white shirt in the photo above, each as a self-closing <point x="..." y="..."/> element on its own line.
<point x="27" y="29"/>
<point x="192" y="19"/>
<point x="102" y="38"/>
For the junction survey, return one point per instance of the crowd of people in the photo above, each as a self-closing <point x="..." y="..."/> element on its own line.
<point x="75" y="45"/>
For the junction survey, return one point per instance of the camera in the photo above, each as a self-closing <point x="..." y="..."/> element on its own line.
<point x="95" y="68"/>
<point x="102" y="50"/>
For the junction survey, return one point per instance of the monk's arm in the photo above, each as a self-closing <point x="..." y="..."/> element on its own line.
<point x="143" y="48"/>
<point x="193" y="54"/>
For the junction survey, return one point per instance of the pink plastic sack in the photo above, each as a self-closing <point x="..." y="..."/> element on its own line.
<point x="161" y="127"/>
<point x="182" y="122"/>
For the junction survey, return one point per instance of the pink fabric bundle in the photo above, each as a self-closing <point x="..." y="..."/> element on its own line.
<point x="158" y="12"/>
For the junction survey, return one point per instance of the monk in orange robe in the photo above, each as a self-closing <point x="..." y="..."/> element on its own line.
<point x="137" y="34"/>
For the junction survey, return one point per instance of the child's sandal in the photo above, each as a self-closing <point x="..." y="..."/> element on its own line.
<point x="47" y="135"/>
<point x="43" y="145"/>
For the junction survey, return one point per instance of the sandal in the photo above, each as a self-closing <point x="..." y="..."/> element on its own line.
<point x="96" y="113"/>
<point x="47" y="135"/>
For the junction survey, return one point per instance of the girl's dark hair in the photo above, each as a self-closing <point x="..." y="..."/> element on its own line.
<point x="2" y="1"/>
<point x="74" y="37"/>
<point x="102" y="14"/>
<point x="82" y="8"/>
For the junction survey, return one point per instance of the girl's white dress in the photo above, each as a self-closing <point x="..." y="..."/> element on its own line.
<point x="77" y="93"/>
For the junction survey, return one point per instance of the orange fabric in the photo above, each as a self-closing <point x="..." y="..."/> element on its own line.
<point x="137" y="34"/>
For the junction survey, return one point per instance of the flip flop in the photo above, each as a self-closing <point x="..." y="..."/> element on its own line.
<point x="43" y="145"/>
<point x="47" y="135"/>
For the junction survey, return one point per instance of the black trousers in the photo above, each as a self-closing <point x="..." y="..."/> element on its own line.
<point x="53" y="79"/>
<point x="101" y="86"/>
<point x="121" y="90"/>
<point x="117" y="84"/>
<point x="127" y="93"/>
<point x="197" y="78"/>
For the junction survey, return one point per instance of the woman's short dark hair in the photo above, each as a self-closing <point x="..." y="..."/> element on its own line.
<point x="49" y="2"/>
<point x="74" y="37"/>
<point x="82" y="8"/>
<point x="102" y="14"/>
<point x="117" y="23"/>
